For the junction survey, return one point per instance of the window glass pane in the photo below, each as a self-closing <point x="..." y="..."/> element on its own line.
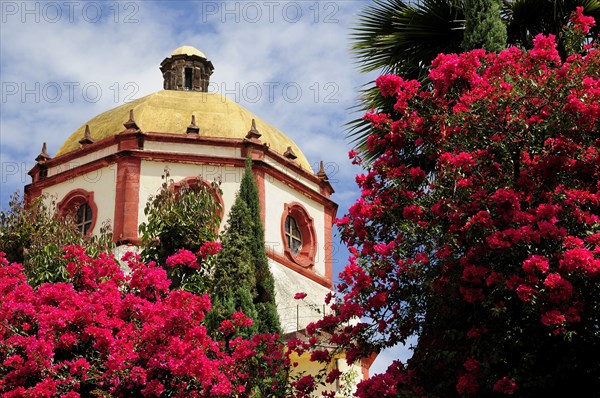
<point x="295" y="246"/>
<point x="80" y="213"/>
<point x="295" y="231"/>
<point x="83" y="218"/>
<point x="293" y="235"/>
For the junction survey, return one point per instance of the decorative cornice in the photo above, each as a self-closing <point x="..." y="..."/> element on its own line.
<point x="291" y="173"/>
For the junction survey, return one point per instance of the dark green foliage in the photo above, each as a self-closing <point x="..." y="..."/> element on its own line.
<point x="180" y="218"/>
<point x="183" y="218"/>
<point x="483" y="26"/>
<point x="403" y="37"/>
<point x="400" y="37"/>
<point x="396" y="36"/>
<point x="242" y="280"/>
<point x="34" y="235"/>
<point x="233" y="278"/>
<point x="527" y="18"/>
<point x="268" y="320"/>
<point x="234" y="287"/>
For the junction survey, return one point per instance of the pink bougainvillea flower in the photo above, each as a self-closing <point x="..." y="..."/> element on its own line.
<point x="300" y="296"/>
<point x="183" y="258"/>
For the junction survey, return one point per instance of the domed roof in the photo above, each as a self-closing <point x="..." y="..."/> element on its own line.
<point x="188" y="50"/>
<point x="170" y="111"/>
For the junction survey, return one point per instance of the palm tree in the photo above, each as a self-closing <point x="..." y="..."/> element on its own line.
<point x="396" y="37"/>
<point x="400" y="37"/>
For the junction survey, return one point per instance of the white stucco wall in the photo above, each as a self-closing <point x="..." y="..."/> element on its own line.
<point x="294" y="314"/>
<point x="291" y="173"/>
<point x="82" y="160"/>
<point x="297" y="314"/>
<point x="101" y="182"/>
<point x="230" y="152"/>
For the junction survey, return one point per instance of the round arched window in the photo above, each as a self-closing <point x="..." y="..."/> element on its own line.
<point x="299" y="237"/>
<point x="80" y="205"/>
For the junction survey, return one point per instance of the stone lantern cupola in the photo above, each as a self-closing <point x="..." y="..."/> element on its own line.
<point x="187" y="69"/>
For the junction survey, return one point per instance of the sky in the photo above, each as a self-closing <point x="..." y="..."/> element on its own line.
<point x="289" y="62"/>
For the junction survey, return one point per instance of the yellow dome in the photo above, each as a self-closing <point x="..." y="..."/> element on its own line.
<point x="188" y="50"/>
<point x="170" y="111"/>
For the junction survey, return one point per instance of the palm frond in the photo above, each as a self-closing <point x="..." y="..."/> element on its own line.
<point x="395" y="37"/>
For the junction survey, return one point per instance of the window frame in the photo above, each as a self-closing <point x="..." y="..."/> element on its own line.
<point x="72" y="201"/>
<point x="305" y="257"/>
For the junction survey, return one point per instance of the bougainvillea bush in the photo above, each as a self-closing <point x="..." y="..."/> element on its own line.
<point x="478" y="228"/>
<point x="107" y="334"/>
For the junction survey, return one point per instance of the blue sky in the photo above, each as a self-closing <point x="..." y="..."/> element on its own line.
<point x="61" y="63"/>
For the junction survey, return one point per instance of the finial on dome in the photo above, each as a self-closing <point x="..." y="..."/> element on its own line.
<point x="193" y="128"/>
<point x="87" y="136"/>
<point x="321" y="173"/>
<point x="289" y="153"/>
<point x="253" y="133"/>
<point x="43" y="156"/>
<point x="130" y="124"/>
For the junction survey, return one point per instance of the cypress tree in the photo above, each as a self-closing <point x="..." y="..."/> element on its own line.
<point x="484" y="27"/>
<point x="233" y="277"/>
<point x="234" y="289"/>
<point x="264" y="300"/>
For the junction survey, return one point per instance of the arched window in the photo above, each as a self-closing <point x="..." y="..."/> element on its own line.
<point x="299" y="237"/>
<point x="193" y="183"/>
<point x="80" y="204"/>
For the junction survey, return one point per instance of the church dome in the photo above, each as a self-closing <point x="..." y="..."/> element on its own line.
<point x="188" y="50"/>
<point x="186" y="74"/>
<point x="170" y="111"/>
